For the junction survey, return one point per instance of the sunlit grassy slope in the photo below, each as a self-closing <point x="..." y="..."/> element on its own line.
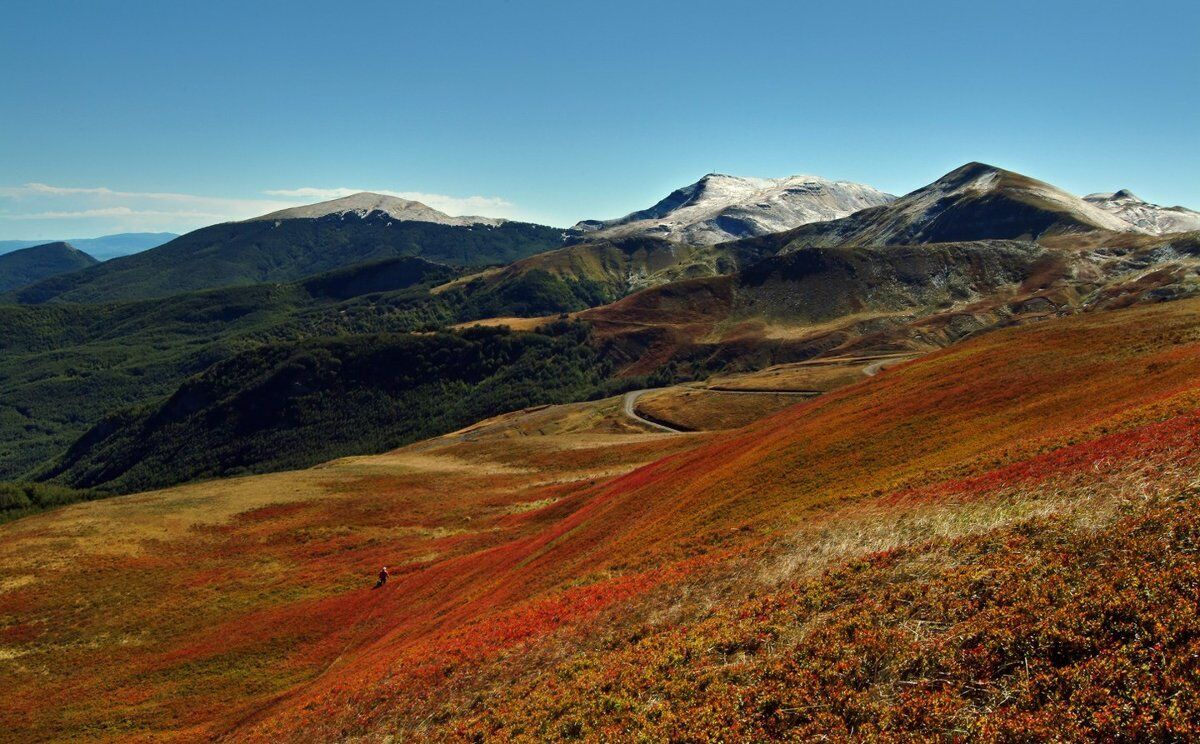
<point x="998" y="537"/>
<point x="731" y="400"/>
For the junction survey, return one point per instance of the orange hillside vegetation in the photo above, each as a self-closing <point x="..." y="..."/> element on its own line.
<point x="997" y="537"/>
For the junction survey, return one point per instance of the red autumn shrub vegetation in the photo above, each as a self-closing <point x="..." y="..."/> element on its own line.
<point x="1039" y="631"/>
<point x="998" y="541"/>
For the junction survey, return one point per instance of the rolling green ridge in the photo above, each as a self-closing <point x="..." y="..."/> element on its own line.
<point x="65" y="366"/>
<point x="29" y="265"/>
<point x="292" y="405"/>
<point x="240" y="253"/>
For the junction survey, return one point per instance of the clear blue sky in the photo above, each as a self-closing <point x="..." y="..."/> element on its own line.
<point x="557" y="111"/>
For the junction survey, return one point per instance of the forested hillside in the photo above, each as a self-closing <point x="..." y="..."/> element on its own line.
<point x="29" y="265"/>
<point x="292" y="405"/>
<point x="239" y="253"/>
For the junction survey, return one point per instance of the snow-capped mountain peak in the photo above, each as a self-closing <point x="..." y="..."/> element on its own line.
<point x="721" y="207"/>
<point x="979" y="179"/>
<point x="1143" y="215"/>
<point x="366" y="203"/>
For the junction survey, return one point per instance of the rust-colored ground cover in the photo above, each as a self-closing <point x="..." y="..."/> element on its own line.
<point x="997" y="538"/>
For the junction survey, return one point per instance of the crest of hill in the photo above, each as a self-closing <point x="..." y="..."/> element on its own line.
<point x="721" y="207"/>
<point x="366" y="203"/>
<point x="28" y="265"/>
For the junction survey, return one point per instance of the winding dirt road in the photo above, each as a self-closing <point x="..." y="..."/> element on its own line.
<point x="631" y="412"/>
<point x="630" y="402"/>
<point x="873" y="368"/>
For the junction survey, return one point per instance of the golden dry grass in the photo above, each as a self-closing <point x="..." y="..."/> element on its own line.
<point x="460" y="281"/>
<point x="730" y="401"/>
<point x="515" y="323"/>
<point x="242" y="608"/>
<point x="101" y="578"/>
<point x="818" y="375"/>
<point x="698" y="409"/>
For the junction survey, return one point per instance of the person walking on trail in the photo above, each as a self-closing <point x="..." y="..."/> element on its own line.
<point x="383" y="577"/>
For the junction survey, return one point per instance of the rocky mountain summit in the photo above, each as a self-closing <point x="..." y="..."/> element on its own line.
<point x="721" y="207"/>
<point x="366" y="204"/>
<point x="1143" y="215"/>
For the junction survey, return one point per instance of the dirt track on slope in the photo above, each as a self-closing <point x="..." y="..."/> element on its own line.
<point x="660" y="423"/>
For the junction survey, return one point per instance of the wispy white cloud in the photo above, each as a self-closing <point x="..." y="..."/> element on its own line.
<point x="106" y="212"/>
<point x="111" y="212"/>
<point x="105" y="209"/>
<point x="36" y="208"/>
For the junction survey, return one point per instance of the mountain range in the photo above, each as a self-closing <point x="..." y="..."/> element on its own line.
<point x="719" y="207"/>
<point x="295" y="243"/>
<point x="689" y="222"/>
<point x="978" y="249"/>
<point x="974" y="202"/>
<point x="103" y="247"/>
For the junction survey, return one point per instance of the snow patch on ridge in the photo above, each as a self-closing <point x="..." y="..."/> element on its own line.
<point x="1145" y="216"/>
<point x="365" y="203"/>
<point x="978" y="179"/>
<point x="721" y="207"/>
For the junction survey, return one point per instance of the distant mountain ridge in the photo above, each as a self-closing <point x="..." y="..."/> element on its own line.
<point x="898" y="277"/>
<point x="973" y="202"/>
<point x="102" y="248"/>
<point x="978" y="248"/>
<point x="295" y="243"/>
<point x="29" y="265"/>
<point x="365" y="204"/>
<point x="721" y="207"/>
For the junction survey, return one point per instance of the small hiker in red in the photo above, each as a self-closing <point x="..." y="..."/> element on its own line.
<point x="383" y="577"/>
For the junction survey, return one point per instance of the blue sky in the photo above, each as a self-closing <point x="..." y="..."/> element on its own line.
<point x="168" y="116"/>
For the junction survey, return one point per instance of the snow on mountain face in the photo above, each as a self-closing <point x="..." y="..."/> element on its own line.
<point x="364" y="203"/>
<point x="953" y="205"/>
<point x="979" y="179"/>
<point x="719" y="207"/>
<point x="973" y="202"/>
<point x="1145" y="216"/>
